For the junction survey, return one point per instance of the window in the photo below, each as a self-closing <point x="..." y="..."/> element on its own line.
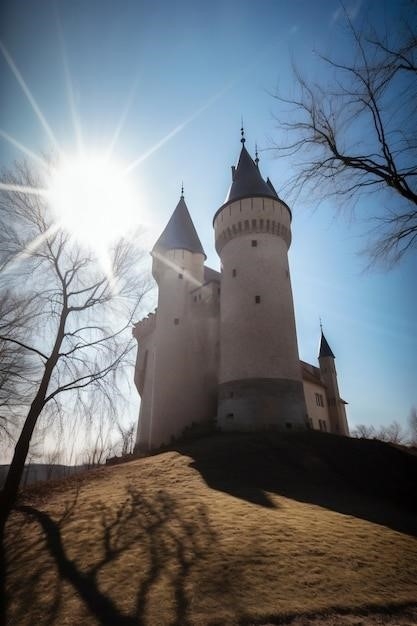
<point x="254" y="243"/>
<point x="176" y="321"/>
<point x="229" y="416"/>
<point x="323" y="425"/>
<point x="319" y="399"/>
<point x="233" y="273"/>
<point x="288" y="425"/>
<point x="232" y="394"/>
<point x="180" y="276"/>
<point x="257" y="299"/>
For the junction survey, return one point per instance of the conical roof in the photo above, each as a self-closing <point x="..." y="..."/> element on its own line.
<point x="247" y="180"/>
<point x="180" y="232"/>
<point x="325" y="349"/>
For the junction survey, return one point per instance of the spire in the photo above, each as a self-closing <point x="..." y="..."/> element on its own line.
<point x="325" y="349"/>
<point x="257" y="158"/>
<point x="247" y="180"/>
<point x="180" y="232"/>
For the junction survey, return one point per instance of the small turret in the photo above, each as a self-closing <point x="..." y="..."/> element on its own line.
<point x="336" y="406"/>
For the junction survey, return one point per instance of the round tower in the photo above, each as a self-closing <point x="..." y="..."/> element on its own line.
<point x="260" y="384"/>
<point x="178" y="268"/>
<point x="336" y="406"/>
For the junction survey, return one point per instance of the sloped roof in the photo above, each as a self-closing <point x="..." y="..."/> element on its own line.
<point x="180" y="232"/>
<point x="247" y="180"/>
<point x="325" y="349"/>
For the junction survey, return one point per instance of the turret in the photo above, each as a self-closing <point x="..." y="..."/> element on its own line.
<point x="166" y="372"/>
<point x="336" y="406"/>
<point x="260" y="383"/>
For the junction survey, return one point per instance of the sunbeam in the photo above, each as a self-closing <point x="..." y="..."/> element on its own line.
<point x="70" y="90"/>
<point x="29" y="249"/>
<point x="177" y="268"/>
<point x="122" y="119"/>
<point x="24" y="149"/>
<point x="34" y="191"/>
<point x="29" y="96"/>
<point x="180" y="127"/>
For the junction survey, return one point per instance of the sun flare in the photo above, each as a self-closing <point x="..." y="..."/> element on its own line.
<point x="92" y="199"/>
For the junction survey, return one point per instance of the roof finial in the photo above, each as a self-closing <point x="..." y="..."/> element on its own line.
<point x="242" y="132"/>
<point x="321" y="324"/>
<point x="256" y="155"/>
<point x="182" y="190"/>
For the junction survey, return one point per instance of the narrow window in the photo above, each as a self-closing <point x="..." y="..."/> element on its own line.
<point x="319" y="399"/>
<point x="254" y="243"/>
<point x="233" y="273"/>
<point x="231" y="394"/>
<point x="257" y="299"/>
<point x="253" y="223"/>
<point x="246" y="224"/>
<point x="180" y="276"/>
<point x="176" y="321"/>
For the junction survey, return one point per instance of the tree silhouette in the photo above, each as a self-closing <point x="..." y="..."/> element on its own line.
<point x="66" y="330"/>
<point x="358" y="135"/>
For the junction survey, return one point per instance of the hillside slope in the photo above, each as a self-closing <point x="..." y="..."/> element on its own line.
<point x="231" y="529"/>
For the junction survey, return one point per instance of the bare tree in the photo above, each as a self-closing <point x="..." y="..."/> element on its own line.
<point x="72" y="331"/>
<point x="412" y="423"/>
<point x="127" y="435"/>
<point x="392" y="433"/>
<point x="359" y="135"/>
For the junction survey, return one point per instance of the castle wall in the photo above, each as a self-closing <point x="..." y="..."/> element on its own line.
<point x="181" y="371"/>
<point x="317" y="406"/>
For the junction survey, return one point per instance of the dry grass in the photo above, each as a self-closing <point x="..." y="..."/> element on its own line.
<point x="195" y="537"/>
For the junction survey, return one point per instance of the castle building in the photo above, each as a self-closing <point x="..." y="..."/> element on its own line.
<point x="224" y="345"/>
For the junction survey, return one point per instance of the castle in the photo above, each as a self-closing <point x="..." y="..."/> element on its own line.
<point x="223" y="345"/>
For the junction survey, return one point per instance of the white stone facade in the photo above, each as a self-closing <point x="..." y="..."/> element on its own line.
<point x="223" y="346"/>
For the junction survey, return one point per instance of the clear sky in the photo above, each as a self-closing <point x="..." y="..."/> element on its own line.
<point x="168" y="82"/>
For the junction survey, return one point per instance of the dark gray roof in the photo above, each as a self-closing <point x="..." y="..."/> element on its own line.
<point x="247" y="180"/>
<point x="325" y="348"/>
<point x="180" y="232"/>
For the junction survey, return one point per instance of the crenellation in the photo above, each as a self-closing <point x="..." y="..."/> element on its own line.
<point x="145" y="326"/>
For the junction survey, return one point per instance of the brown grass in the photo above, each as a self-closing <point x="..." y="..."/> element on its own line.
<point x="230" y="530"/>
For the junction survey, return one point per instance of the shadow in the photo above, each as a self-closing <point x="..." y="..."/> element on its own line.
<point x="367" y="479"/>
<point x="164" y="543"/>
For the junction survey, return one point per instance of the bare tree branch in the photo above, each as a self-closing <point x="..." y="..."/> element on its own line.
<point x="360" y="135"/>
<point x="72" y="313"/>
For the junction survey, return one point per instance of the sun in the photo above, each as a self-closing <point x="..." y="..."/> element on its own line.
<point x="92" y="199"/>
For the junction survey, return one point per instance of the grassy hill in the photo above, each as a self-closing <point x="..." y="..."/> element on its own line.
<point x="231" y="529"/>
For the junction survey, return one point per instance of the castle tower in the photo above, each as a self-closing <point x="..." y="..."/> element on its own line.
<point x="166" y="371"/>
<point x="260" y="384"/>
<point x="336" y="406"/>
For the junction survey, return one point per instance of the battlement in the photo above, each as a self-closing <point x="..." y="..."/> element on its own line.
<point x="144" y="326"/>
<point x="252" y="215"/>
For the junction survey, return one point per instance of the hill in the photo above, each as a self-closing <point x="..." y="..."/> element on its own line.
<point x="231" y="529"/>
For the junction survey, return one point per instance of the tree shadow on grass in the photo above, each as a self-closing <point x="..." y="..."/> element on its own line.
<point x="370" y="480"/>
<point x="165" y="544"/>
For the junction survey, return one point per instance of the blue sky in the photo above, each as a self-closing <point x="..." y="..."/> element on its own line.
<point x="180" y="76"/>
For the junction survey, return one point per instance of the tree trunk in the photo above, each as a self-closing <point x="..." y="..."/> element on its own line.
<point x="17" y="466"/>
